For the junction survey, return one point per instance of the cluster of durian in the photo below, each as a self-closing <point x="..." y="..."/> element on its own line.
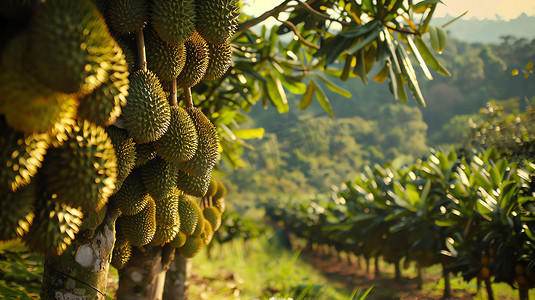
<point x="86" y="125"/>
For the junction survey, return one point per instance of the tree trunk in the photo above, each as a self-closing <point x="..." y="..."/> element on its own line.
<point x="420" y="277"/>
<point x="397" y="266"/>
<point x="447" y="283"/>
<point x="523" y="292"/>
<point x="376" y="265"/>
<point x="488" y="286"/>
<point x="81" y="272"/>
<point x="367" y="265"/>
<point x="143" y="277"/>
<point x="176" y="282"/>
<point x="349" y="261"/>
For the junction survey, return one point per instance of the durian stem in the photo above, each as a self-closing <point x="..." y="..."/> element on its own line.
<point x="142" y="57"/>
<point x="173" y="100"/>
<point x="187" y="98"/>
<point x="82" y="270"/>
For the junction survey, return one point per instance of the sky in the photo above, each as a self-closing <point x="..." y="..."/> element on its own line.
<point x="479" y="9"/>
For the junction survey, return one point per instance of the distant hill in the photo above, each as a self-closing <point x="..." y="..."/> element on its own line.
<point x="489" y="31"/>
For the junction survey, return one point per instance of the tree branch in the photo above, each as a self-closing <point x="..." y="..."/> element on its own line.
<point x="299" y="36"/>
<point x="321" y="15"/>
<point x="274" y="12"/>
<point x="401" y="30"/>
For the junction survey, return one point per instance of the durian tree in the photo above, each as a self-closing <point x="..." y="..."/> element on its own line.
<point x="114" y="114"/>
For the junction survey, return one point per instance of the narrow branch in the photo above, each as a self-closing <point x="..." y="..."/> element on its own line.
<point x="401" y="30"/>
<point x="274" y="12"/>
<point x="298" y="34"/>
<point x="321" y="15"/>
<point x="142" y="58"/>
<point x="187" y="98"/>
<point x="173" y="99"/>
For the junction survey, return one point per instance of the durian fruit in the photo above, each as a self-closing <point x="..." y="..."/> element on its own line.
<point x="164" y="234"/>
<point x="173" y="20"/>
<point x="147" y="113"/>
<point x="217" y="20"/>
<point x="144" y="153"/>
<point x="179" y="143"/>
<point x="208" y="232"/>
<point x="139" y="229"/>
<point x="127" y="16"/>
<point x="207" y="149"/>
<point x="129" y="47"/>
<point x="103" y="105"/>
<point x="220" y="60"/>
<point x="71" y="48"/>
<point x="196" y="186"/>
<point x="179" y="240"/>
<point x="213" y="215"/>
<point x="125" y="151"/>
<point x="212" y="188"/>
<point x="132" y="197"/>
<point x="54" y="227"/>
<point x="159" y="177"/>
<point x="92" y="220"/>
<point x="165" y="60"/>
<point x="16" y="212"/>
<point x="29" y="106"/>
<point x="121" y="255"/>
<point x="21" y="155"/>
<point x="83" y="170"/>
<point x="189" y="214"/>
<point x="167" y="209"/>
<point x="221" y="190"/>
<point x="200" y="226"/>
<point x="197" y="58"/>
<point x="102" y="5"/>
<point x="219" y="204"/>
<point x="192" y="246"/>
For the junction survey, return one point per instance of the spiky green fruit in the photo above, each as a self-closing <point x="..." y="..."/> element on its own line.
<point x="92" y="220"/>
<point x="139" y="228"/>
<point x="191" y="247"/>
<point x="212" y="188"/>
<point x="193" y="185"/>
<point x="167" y="210"/>
<point x="127" y="16"/>
<point x="29" y="106"/>
<point x="189" y="214"/>
<point x="132" y="197"/>
<point x="196" y="61"/>
<point x="71" y="47"/>
<point x="147" y="113"/>
<point x="54" y="227"/>
<point x="125" y="151"/>
<point x="144" y="153"/>
<point x="200" y="226"/>
<point x="219" y="204"/>
<point x="220" y="60"/>
<point x="129" y="47"/>
<point x="83" y="170"/>
<point x="159" y="177"/>
<point x="121" y="255"/>
<point x="16" y="212"/>
<point x="103" y="105"/>
<point x="165" y="60"/>
<point x="179" y="143"/>
<point x="164" y="234"/>
<point x="217" y="20"/>
<point x="207" y="149"/>
<point x="213" y="215"/>
<point x="179" y="240"/>
<point x="208" y="232"/>
<point x="21" y="155"/>
<point x="173" y="20"/>
<point x="221" y="190"/>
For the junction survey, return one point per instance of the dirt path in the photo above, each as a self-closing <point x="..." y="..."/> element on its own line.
<point x="384" y="288"/>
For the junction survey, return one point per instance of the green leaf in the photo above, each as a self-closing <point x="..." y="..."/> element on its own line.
<point x="276" y="93"/>
<point x="347" y="67"/>
<point x="419" y="57"/>
<point x="422" y="7"/>
<point x="430" y="58"/>
<point x="293" y="85"/>
<point x="307" y="98"/>
<point x="360" y="67"/>
<point x="364" y="42"/>
<point x="322" y="98"/>
<point x="246" y="134"/>
<point x="408" y="72"/>
<point x="439" y="38"/>
<point x="358" y="30"/>
<point x="331" y="85"/>
<point x="382" y="75"/>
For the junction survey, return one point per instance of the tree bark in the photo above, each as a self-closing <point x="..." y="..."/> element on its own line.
<point x="81" y="272"/>
<point x="420" y="277"/>
<point x="143" y="277"/>
<point x="447" y="283"/>
<point x="397" y="266"/>
<point x="376" y="265"/>
<point x="488" y="286"/>
<point x="523" y="293"/>
<point x="176" y="281"/>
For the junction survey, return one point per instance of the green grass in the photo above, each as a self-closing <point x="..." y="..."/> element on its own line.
<point x="261" y="268"/>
